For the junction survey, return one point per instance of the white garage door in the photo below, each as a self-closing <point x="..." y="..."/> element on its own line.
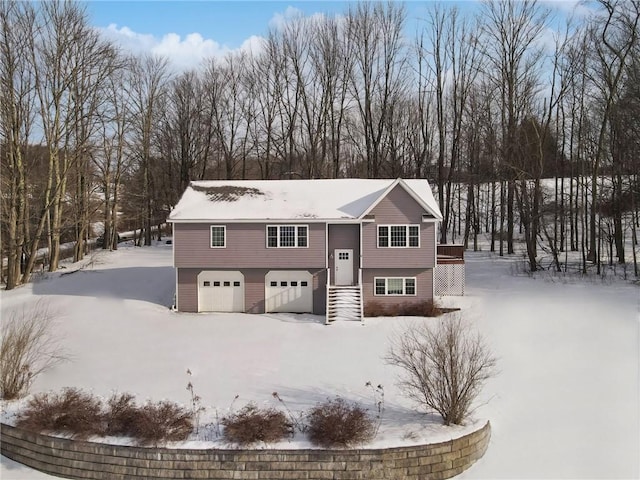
<point x="220" y="291"/>
<point x="289" y="291"/>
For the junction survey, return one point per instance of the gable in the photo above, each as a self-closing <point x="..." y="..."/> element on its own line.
<point x="397" y="206"/>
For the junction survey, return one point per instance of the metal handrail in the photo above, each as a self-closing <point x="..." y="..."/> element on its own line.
<point x="361" y="294"/>
<point x="326" y="315"/>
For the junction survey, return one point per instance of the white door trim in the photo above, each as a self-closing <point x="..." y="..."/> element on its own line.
<point x="343" y="266"/>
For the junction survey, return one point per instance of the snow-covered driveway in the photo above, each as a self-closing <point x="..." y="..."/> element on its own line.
<point x="565" y="404"/>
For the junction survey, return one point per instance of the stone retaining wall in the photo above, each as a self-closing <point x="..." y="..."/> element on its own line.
<point x="88" y="460"/>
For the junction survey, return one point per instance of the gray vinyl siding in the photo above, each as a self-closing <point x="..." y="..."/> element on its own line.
<point x="254" y="289"/>
<point x="424" y="285"/>
<point x="187" y="289"/>
<point x="347" y="237"/>
<point x="398" y="207"/>
<point x="246" y="247"/>
<point x="319" y="291"/>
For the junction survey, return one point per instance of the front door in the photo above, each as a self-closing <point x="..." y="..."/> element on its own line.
<point x="344" y="266"/>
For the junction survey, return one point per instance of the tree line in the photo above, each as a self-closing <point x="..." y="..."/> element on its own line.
<point x="527" y="125"/>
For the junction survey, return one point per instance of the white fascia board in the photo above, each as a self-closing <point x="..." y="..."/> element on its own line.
<point x="419" y="200"/>
<point x="305" y="220"/>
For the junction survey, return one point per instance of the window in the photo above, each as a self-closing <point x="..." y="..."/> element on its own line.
<point x="395" y="286"/>
<point x="409" y="286"/>
<point x="294" y="284"/>
<point x="207" y="284"/>
<point x="383" y="236"/>
<point x="287" y="236"/>
<point x="272" y="237"/>
<point x="227" y="284"/>
<point x="216" y="284"/>
<point x="414" y="236"/>
<point x="218" y="236"/>
<point x="303" y="284"/>
<point x="398" y="236"/>
<point x="236" y="284"/>
<point x="302" y="236"/>
<point x="343" y="255"/>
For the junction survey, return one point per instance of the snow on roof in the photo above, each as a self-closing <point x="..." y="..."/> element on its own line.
<point x="347" y="198"/>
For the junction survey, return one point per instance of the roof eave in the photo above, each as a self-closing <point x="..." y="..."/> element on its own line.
<point x="265" y="220"/>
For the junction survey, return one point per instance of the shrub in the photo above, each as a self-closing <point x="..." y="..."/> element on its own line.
<point x="422" y="309"/>
<point x="151" y="423"/>
<point x="336" y="423"/>
<point x="72" y="411"/>
<point x="426" y="308"/>
<point x="162" y="421"/>
<point x="121" y="415"/>
<point x="81" y="414"/>
<point x="374" y="309"/>
<point x="252" y="424"/>
<point x="28" y="348"/>
<point x="443" y="367"/>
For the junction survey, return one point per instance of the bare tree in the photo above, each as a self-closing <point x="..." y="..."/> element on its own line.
<point x="436" y="70"/>
<point x="17" y="25"/>
<point x="625" y="155"/>
<point x="111" y="155"/>
<point x="96" y="63"/>
<point x="263" y="83"/>
<point x="332" y="68"/>
<point x="149" y="76"/>
<point x="443" y="367"/>
<point x="379" y="72"/>
<point x="187" y="134"/>
<point x="455" y="54"/>
<point x="513" y="61"/>
<point x="615" y="40"/>
<point x="227" y="97"/>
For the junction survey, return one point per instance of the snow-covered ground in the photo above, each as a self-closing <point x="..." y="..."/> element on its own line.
<point x="564" y="405"/>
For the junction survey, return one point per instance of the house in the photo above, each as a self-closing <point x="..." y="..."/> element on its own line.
<point x="321" y="246"/>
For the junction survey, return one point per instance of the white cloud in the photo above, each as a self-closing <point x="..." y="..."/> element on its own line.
<point x="188" y="52"/>
<point x="183" y="53"/>
<point x="253" y="45"/>
<point x="579" y="9"/>
<point x="128" y="39"/>
<point x="279" y="20"/>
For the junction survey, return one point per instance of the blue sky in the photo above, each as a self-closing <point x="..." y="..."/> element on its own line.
<point x="188" y="31"/>
<point x="227" y="22"/>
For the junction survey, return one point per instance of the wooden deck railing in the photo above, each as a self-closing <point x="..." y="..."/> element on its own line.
<point x="451" y="250"/>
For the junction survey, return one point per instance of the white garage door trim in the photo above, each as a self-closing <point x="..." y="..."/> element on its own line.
<point x="220" y="291"/>
<point x="292" y="292"/>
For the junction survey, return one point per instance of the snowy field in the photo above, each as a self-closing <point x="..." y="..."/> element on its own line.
<point x="564" y="405"/>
